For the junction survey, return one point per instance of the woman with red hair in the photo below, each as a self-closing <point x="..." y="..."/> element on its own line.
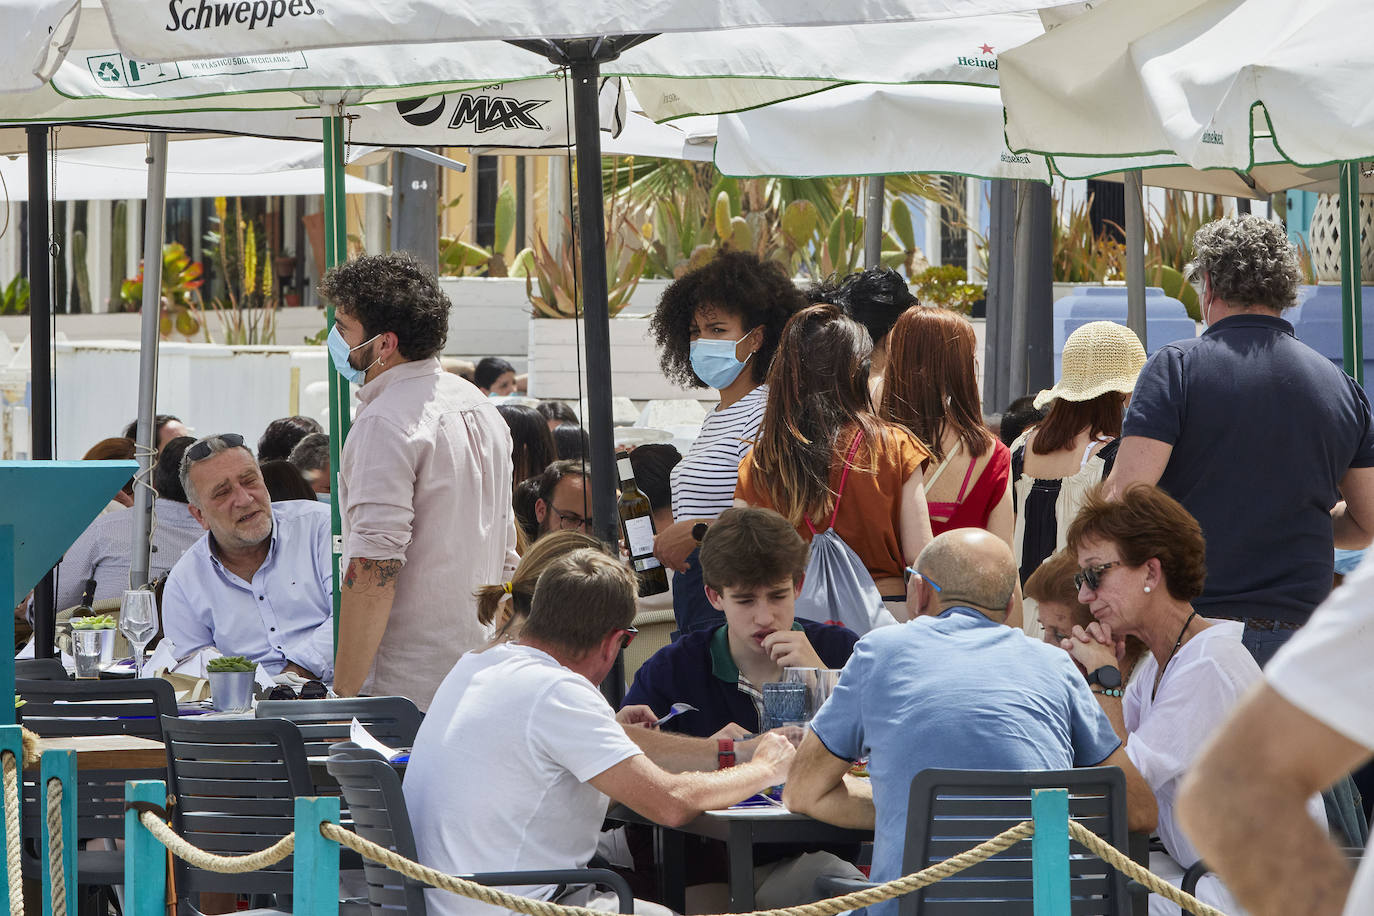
<point x="931" y="388"/>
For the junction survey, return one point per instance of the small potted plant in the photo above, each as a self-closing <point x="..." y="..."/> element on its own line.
<point x="92" y="643"/>
<point x="231" y="683"/>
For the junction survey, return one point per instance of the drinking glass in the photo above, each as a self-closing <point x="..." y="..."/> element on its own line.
<point x="87" y="649"/>
<point x="138" y="622"/>
<point x="783" y="704"/>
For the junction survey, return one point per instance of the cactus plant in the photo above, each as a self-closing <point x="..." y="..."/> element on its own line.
<point x="81" y="276"/>
<point x="119" y="243"/>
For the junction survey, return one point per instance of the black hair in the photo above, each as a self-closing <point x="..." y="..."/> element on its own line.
<point x="554" y="473"/>
<point x="1020" y="415"/>
<point x="526" y="494"/>
<point x="167" y="470"/>
<point x="875" y="298"/>
<point x="281" y="437"/>
<point x="392" y="292"/>
<point x="653" y="466"/>
<point x="159" y="421"/>
<point x="284" y="481"/>
<point x="531" y="442"/>
<point x="571" y="442"/>
<point x="557" y="410"/>
<point x="489" y="369"/>
<point x="735" y="282"/>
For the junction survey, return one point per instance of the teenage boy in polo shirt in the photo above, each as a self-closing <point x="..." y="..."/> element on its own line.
<point x="752" y="562"/>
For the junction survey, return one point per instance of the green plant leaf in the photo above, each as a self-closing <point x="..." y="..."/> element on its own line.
<point x="505" y="217"/>
<point x="901" y="224"/>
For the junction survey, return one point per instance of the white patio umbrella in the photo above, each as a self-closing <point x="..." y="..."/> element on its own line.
<point x="35" y="38"/>
<point x="1213" y="82"/>
<point x="222" y="167"/>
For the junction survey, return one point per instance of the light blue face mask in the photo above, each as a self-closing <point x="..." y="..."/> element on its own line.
<point x="714" y="361"/>
<point x="339" y="352"/>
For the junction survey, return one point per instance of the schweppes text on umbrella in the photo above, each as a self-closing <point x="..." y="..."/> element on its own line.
<point x="190" y="16"/>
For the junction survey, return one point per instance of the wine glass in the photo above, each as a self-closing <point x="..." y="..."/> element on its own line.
<point x="138" y="622"/>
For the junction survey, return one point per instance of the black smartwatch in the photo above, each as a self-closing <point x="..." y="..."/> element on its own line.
<point x="1108" y="676"/>
<point x="699" y="531"/>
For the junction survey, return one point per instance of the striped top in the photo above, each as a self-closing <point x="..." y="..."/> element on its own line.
<point x="704" y="481"/>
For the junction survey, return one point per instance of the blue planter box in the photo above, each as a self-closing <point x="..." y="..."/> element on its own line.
<point x="1316" y="319"/>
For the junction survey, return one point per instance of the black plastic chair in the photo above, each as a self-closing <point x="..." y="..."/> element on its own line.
<point x="61" y="709"/>
<point x="40" y="669"/>
<point x="373" y="792"/>
<point x="391" y="720"/>
<point x="235" y="782"/>
<point x="951" y="811"/>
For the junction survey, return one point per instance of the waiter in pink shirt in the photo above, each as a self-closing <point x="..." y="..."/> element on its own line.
<point x="424" y="485"/>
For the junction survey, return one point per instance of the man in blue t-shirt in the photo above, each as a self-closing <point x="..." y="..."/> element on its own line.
<point x="1259" y="436"/>
<point x="954" y="688"/>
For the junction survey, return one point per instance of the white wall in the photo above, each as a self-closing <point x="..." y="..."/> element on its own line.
<point x="210" y="387"/>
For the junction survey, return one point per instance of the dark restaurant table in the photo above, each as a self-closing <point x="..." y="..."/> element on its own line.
<point x="741" y="829"/>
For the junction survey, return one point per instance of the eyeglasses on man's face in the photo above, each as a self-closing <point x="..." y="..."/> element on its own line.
<point x="908" y="572"/>
<point x="1092" y="575"/>
<point x="571" y="521"/>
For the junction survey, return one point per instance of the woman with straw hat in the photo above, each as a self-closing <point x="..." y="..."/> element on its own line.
<point x="1058" y="460"/>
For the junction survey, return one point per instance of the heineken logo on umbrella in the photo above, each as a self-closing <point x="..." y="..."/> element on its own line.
<point x="484" y="112"/>
<point x="1212" y="136"/>
<point x="985" y="51"/>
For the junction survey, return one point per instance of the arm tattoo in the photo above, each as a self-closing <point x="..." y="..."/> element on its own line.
<point x="375" y="573"/>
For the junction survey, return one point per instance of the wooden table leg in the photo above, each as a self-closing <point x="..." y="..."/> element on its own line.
<point x="740" y="848"/>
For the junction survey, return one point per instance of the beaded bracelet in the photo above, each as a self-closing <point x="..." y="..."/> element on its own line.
<point x="1110" y="691"/>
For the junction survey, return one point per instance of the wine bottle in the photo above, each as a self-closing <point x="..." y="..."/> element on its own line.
<point x="87" y="599"/>
<point x="637" y="528"/>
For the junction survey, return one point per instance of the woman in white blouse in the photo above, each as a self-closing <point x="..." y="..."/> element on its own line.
<point x="716" y="327"/>
<point x="1141" y="563"/>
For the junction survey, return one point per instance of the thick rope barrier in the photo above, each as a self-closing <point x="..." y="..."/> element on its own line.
<point x="56" y="867"/>
<point x="13" y="847"/>
<point x="224" y="865"/>
<point x="497" y="897"/>
<point x="829" y="907"/>
<point x="1137" y="872"/>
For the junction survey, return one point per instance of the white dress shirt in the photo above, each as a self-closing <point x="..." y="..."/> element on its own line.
<point x="103" y="550"/>
<point x="284" y="615"/>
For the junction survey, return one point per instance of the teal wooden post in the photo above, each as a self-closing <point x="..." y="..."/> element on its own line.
<point x="11" y="742"/>
<point x="1352" y="317"/>
<point x="59" y="765"/>
<point x="7" y="619"/>
<point x="1050" y="852"/>
<point x="145" y="859"/>
<point x="315" y="871"/>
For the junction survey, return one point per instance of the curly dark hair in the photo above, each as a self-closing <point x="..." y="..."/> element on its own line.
<point x="738" y="283"/>
<point x="392" y="292"/>
<point x="1249" y="260"/>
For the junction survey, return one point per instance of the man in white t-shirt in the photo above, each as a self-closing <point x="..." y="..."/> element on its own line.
<point x="1310" y="723"/>
<point x="513" y="765"/>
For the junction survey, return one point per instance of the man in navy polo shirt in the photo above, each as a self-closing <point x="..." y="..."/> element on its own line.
<point x="953" y="688"/>
<point x="752" y="562"/>
<point x="1260" y="437"/>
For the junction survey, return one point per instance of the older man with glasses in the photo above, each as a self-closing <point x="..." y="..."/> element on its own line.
<point x="259" y="582"/>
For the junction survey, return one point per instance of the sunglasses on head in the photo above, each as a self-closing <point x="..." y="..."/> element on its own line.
<point x="629" y="636"/>
<point x="1092" y="575"/>
<point x="201" y="450"/>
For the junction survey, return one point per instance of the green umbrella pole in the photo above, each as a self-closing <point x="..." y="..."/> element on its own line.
<point x="335" y="249"/>
<point x="1352" y="321"/>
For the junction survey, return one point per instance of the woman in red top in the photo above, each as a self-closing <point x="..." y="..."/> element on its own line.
<point x="930" y="388"/>
<point x="818" y="416"/>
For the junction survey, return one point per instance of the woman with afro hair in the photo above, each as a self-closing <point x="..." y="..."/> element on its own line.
<point x="716" y="327"/>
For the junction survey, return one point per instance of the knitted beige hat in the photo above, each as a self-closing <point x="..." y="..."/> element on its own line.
<point x="1100" y="356"/>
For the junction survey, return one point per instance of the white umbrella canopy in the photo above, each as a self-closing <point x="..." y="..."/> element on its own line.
<point x="867" y="129"/>
<point x="35" y="38"/>
<point x="224" y="167"/>
<point x="1207" y="80"/>
<point x="208" y="28"/>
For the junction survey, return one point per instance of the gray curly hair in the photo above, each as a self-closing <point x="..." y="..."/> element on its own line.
<point x="1249" y="260"/>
